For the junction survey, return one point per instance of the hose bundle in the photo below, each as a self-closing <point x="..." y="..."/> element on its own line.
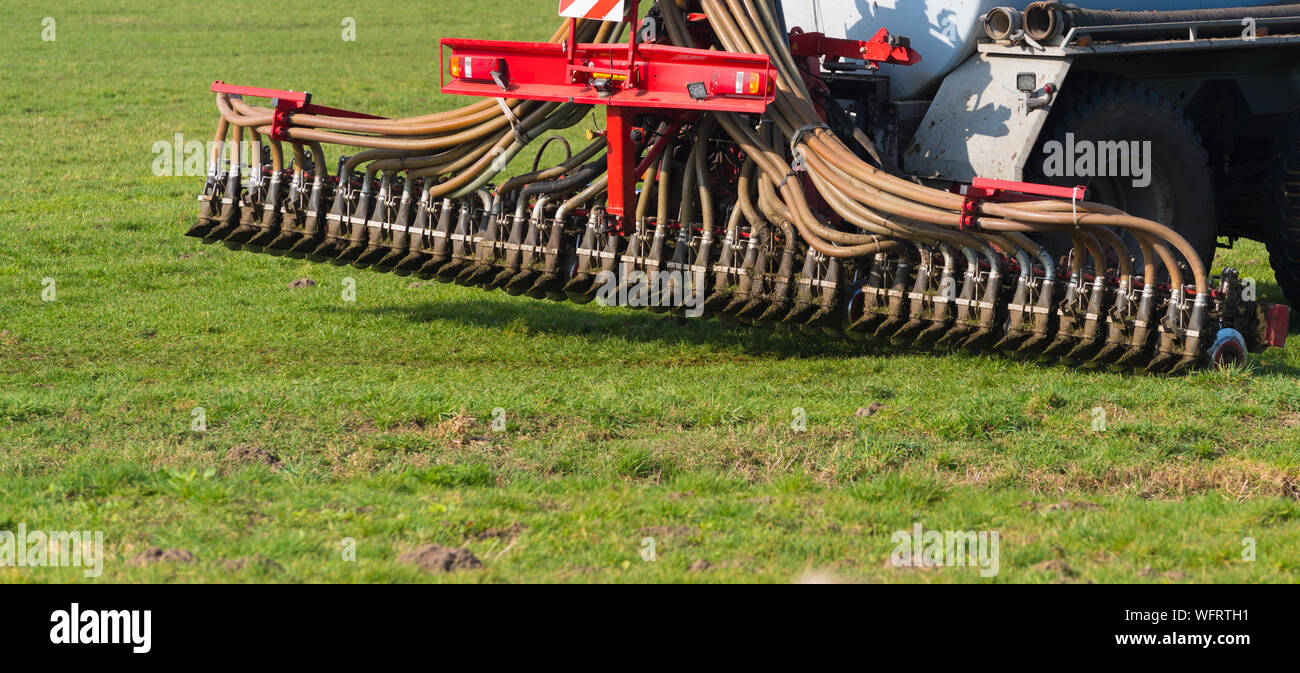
<point x="881" y="204"/>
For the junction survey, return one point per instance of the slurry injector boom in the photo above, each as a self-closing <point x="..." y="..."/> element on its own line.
<point x="733" y="181"/>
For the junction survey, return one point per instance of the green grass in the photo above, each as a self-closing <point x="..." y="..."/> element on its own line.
<point x="620" y="425"/>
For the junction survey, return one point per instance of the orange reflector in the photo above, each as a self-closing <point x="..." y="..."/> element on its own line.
<point x="476" y="67"/>
<point x="739" y="83"/>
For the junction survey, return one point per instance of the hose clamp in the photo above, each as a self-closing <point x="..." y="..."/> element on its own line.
<point x="1074" y="204"/>
<point x="806" y="128"/>
<point x="515" y="124"/>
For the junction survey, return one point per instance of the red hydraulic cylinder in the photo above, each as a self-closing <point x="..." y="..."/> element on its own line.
<point x="622" y="159"/>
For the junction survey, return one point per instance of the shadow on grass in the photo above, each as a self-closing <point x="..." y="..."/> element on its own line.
<point x="1270" y="292"/>
<point x="502" y="312"/>
<point x="1277" y="368"/>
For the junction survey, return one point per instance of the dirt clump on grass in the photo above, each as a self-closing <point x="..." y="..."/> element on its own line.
<point x="1171" y="575"/>
<point x="1055" y="567"/>
<point x="508" y="533"/>
<point x="864" y="412"/>
<point x="159" y="555"/>
<point x="247" y="453"/>
<point x="436" y="558"/>
<point x="455" y="429"/>
<point x="301" y="283"/>
<point x="255" y="561"/>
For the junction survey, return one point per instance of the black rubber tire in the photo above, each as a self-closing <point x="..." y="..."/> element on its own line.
<point x="1283" y="235"/>
<point x="1182" y="191"/>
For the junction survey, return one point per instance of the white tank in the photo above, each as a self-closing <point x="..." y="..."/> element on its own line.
<point x="944" y="31"/>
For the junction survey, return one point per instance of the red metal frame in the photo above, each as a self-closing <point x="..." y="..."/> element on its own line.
<point x="624" y="78"/>
<point x="877" y="50"/>
<point x="656" y="78"/>
<point x="1277" y="324"/>
<point x="988" y="189"/>
<point x="622" y="160"/>
<point x="287" y="103"/>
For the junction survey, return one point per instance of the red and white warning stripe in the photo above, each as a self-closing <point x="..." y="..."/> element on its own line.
<point x="601" y="10"/>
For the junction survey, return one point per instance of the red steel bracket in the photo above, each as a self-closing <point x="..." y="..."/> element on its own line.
<point x="286" y="104"/>
<point x="622" y="159"/>
<point x="1278" y="322"/>
<point x="657" y="78"/>
<point x="988" y="189"/>
<point x="880" y="49"/>
<point x="624" y="78"/>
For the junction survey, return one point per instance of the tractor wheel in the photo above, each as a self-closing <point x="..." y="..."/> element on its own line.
<point x="1283" y="235"/>
<point x="1181" y="192"/>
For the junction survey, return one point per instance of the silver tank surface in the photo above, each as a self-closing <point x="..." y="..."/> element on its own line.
<point x="944" y="31"/>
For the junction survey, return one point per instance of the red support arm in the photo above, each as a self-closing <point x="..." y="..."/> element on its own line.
<point x="287" y="103"/>
<point x="988" y="189"/>
<point x="882" y="48"/>
<point x="622" y="159"/>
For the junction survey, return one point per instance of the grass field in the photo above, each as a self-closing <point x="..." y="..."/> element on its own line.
<point x="371" y="420"/>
